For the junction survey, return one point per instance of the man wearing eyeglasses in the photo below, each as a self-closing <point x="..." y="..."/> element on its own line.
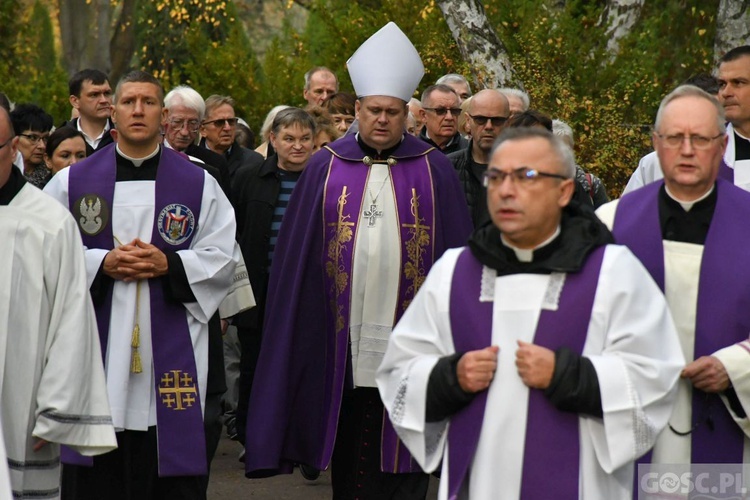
<point x="32" y="125"/>
<point x="536" y="357"/>
<point x="488" y="110"/>
<point x="219" y="132"/>
<point x="690" y="231"/>
<point x="440" y="110"/>
<point x="184" y="109"/>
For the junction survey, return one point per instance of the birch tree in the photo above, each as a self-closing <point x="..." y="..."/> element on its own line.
<point x="479" y="44"/>
<point x="619" y="17"/>
<point x="732" y="26"/>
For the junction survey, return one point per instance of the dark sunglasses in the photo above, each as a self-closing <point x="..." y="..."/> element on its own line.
<point x="220" y="122"/>
<point x="496" y="120"/>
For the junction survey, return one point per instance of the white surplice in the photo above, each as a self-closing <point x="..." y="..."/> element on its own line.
<point x="682" y="263"/>
<point x="209" y="266"/>
<point x="636" y="368"/>
<point x="52" y="383"/>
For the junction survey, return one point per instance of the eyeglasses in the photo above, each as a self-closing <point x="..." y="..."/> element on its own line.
<point x="482" y="120"/>
<point x="35" y="138"/>
<point x="221" y="122"/>
<point x="6" y="143"/>
<point x="192" y="125"/>
<point x="697" y="141"/>
<point x="523" y="176"/>
<point x="444" y="111"/>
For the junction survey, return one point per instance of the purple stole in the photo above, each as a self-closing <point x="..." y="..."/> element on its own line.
<point x="723" y="314"/>
<point x="726" y="172"/>
<point x="552" y="447"/>
<point x="342" y="212"/>
<point x="178" y="195"/>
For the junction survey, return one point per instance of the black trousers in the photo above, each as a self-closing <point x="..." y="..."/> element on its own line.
<point x="355" y="467"/>
<point x="129" y="473"/>
<point x="250" y="340"/>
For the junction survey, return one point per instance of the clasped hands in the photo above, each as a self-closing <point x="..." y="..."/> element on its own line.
<point x="535" y="365"/>
<point x="134" y="261"/>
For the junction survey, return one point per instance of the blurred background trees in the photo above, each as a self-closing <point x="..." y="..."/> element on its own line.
<point x="600" y="65"/>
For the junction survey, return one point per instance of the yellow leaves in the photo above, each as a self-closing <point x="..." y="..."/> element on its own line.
<point x="701" y="32"/>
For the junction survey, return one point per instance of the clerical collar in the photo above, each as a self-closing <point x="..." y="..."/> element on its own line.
<point x="11" y="188"/>
<point x="137" y="162"/>
<point x="580" y="232"/>
<point x="688" y="205"/>
<point x="687" y="226"/>
<point x="527" y="254"/>
<point x="374" y="153"/>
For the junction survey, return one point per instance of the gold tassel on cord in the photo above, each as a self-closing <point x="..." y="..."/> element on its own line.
<point x="135" y="343"/>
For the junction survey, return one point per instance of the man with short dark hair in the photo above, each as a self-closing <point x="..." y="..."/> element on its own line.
<point x="487" y="113"/>
<point x="541" y="358"/>
<point x="440" y="111"/>
<point x="365" y="222"/>
<point x="689" y="230"/>
<point x="91" y="97"/>
<point x="160" y="252"/>
<point x="320" y="84"/>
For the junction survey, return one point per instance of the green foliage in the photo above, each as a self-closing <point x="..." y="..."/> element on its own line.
<point x="202" y="44"/>
<point x="557" y="48"/>
<point x="37" y="76"/>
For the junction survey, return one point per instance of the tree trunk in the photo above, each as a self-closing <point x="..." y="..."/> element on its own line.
<point x="479" y="44"/>
<point x="732" y="26"/>
<point x="122" y="45"/>
<point x="74" y="31"/>
<point x="100" y="58"/>
<point x="619" y="17"/>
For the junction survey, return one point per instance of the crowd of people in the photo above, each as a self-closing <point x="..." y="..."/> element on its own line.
<point x="385" y="286"/>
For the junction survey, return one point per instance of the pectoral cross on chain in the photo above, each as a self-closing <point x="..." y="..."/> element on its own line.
<point x="372" y="215"/>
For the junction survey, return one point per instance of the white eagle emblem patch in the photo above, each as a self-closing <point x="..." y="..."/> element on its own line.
<point x="176" y="223"/>
<point x="91" y="214"/>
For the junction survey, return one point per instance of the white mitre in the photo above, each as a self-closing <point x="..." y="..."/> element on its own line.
<point x="386" y="64"/>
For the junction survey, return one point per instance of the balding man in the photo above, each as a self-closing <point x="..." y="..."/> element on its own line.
<point x="320" y="84"/>
<point x="56" y="392"/>
<point x="690" y="231"/>
<point x="488" y="110"/>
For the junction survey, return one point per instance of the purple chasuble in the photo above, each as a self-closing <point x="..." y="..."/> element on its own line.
<point x="723" y="309"/>
<point x="296" y="395"/>
<point x="552" y="446"/>
<point x="343" y="205"/>
<point x="176" y="213"/>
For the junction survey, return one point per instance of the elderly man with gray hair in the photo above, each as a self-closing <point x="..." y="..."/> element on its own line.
<point x="690" y="231"/>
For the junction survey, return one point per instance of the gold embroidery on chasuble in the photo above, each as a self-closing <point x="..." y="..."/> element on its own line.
<point x="177" y="390"/>
<point x="335" y="268"/>
<point x="416" y="246"/>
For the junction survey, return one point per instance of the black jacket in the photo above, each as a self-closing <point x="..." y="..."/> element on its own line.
<point x="106" y="138"/>
<point x="255" y="191"/>
<point x="214" y="160"/>
<point x="474" y="190"/>
<point x="456" y="143"/>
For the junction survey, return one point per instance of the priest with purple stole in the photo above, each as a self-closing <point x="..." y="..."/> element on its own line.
<point x="690" y="231"/>
<point x="540" y="361"/>
<point x="158" y="235"/>
<point x="367" y="219"/>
